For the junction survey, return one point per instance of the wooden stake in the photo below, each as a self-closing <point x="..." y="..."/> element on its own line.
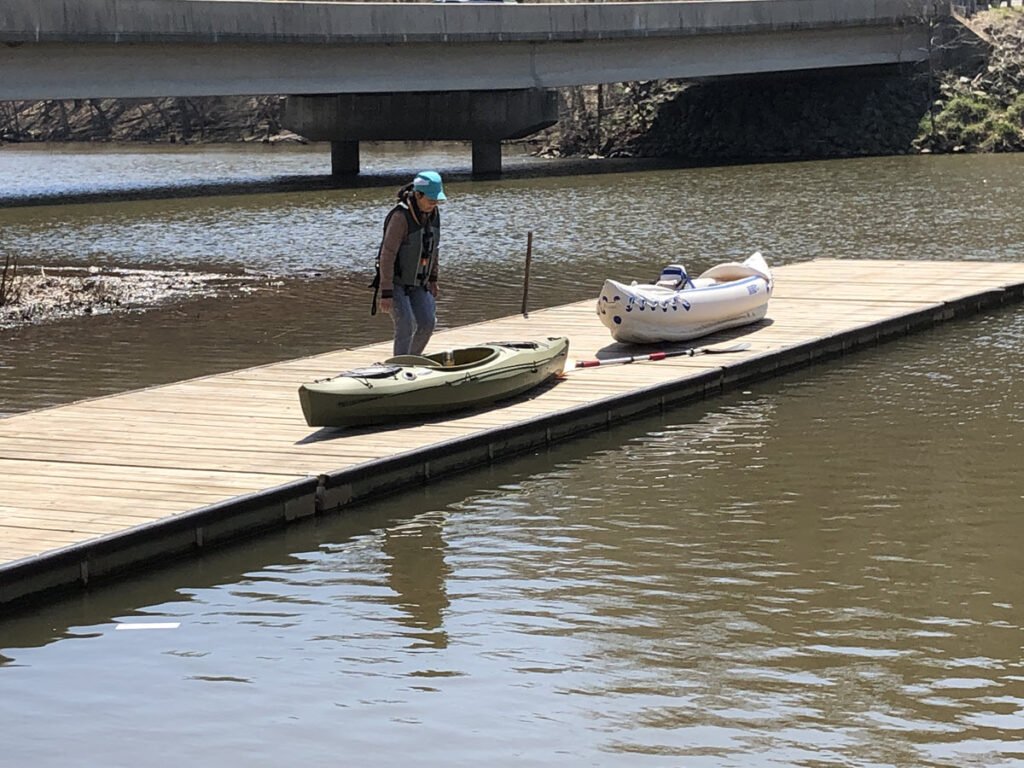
<point x="526" y="271"/>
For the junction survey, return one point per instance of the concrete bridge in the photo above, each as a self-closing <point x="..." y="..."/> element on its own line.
<point x="486" y="67"/>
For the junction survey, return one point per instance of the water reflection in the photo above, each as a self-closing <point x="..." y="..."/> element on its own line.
<point x="417" y="573"/>
<point x="409" y="550"/>
<point x="51" y="173"/>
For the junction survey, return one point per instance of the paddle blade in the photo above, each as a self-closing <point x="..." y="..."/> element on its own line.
<point x="723" y="350"/>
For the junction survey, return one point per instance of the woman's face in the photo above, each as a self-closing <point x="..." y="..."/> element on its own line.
<point x="425" y="203"/>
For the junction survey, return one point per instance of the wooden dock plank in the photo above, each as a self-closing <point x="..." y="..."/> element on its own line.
<point x="222" y="445"/>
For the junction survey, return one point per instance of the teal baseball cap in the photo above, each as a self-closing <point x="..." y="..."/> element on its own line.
<point x="429" y="183"/>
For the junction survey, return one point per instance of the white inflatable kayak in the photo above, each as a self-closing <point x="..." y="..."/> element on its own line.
<point x="678" y="307"/>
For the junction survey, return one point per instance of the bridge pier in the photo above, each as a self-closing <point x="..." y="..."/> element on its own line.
<point x="486" y="158"/>
<point x="485" y="118"/>
<point x="344" y="158"/>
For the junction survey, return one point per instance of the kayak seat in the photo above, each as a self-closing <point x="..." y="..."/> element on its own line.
<point x="726" y="273"/>
<point x="453" y="358"/>
<point x="471" y="356"/>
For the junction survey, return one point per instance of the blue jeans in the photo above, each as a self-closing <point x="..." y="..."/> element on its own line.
<point x="414" y="314"/>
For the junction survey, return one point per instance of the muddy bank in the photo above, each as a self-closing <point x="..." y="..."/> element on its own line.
<point x="35" y="295"/>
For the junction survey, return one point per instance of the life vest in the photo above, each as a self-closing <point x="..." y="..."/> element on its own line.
<point x="417" y="255"/>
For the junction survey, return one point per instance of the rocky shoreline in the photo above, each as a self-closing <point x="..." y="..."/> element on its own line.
<point x="35" y="295"/>
<point x="198" y="120"/>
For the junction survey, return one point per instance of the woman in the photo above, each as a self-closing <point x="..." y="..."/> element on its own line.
<point x="407" y="263"/>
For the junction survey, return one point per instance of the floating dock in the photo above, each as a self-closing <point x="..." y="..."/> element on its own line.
<point x="94" y="489"/>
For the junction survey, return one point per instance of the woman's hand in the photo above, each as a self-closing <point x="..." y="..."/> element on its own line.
<point x="432" y="287"/>
<point x="384" y="305"/>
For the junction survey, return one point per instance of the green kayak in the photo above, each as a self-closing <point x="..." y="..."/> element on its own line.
<point x="417" y="386"/>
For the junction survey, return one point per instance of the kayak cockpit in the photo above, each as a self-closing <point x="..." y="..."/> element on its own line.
<point x="466" y="357"/>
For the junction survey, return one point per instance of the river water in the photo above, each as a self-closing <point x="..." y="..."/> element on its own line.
<point x="821" y="570"/>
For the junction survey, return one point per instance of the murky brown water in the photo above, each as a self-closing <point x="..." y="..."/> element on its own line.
<point x="822" y="570"/>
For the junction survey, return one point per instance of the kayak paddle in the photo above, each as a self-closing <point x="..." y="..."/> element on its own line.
<point x="691" y="352"/>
